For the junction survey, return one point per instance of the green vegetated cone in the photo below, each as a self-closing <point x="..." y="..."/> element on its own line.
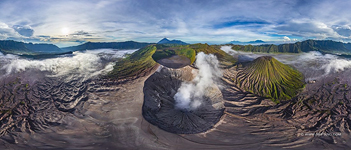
<point x="267" y="77"/>
<point x="138" y="63"/>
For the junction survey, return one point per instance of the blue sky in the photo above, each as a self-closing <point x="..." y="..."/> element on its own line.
<point x="71" y="22"/>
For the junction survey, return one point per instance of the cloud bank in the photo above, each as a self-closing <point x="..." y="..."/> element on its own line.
<point x="315" y="62"/>
<point x="192" y="21"/>
<point x="81" y="64"/>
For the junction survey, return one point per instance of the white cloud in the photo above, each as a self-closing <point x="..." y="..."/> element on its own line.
<point x="24" y="30"/>
<point x="84" y="64"/>
<point x="307" y="28"/>
<point x="187" y="20"/>
<point x="286" y="38"/>
<point x="12" y="32"/>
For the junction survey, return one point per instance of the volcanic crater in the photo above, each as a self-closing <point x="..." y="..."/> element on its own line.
<point x="159" y="104"/>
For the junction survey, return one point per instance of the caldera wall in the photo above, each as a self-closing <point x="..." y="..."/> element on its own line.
<point x="159" y="105"/>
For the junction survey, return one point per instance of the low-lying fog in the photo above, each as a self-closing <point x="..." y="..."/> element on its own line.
<point x="313" y="65"/>
<point x="85" y="64"/>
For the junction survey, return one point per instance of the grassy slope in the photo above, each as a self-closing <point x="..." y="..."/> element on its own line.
<point x="268" y="77"/>
<point x="143" y="60"/>
<point x="223" y="57"/>
<point x="190" y="51"/>
<point x="135" y="64"/>
<point x="166" y="51"/>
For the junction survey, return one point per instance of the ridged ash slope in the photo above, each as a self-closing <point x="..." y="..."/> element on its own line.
<point x="267" y="77"/>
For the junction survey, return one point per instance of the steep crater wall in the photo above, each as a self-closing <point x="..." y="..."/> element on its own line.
<point x="159" y="105"/>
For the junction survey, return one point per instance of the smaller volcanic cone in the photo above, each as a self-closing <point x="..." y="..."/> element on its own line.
<point x="267" y="77"/>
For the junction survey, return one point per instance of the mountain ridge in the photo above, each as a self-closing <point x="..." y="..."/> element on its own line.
<point x="21" y="48"/>
<point x="246" y="43"/>
<point x="324" y="46"/>
<point x="167" y="41"/>
<point x="113" y="45"/>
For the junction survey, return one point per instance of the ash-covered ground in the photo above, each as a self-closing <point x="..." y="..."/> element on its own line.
<point x="62" y="103"/>
<point x="318" y="116"/>
<point x="185" y="100"/>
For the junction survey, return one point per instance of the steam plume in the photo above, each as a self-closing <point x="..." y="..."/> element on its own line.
<point x="190" y="95"/>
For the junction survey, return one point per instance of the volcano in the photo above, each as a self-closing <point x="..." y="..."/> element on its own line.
<point x="267" y="77"/>
<point x="159" y="103"/>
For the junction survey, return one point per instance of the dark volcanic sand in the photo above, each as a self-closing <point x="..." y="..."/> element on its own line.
<point x="175" y="62"/>
<point x="108" y="115"/>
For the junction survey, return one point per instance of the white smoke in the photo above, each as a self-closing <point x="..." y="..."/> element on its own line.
<point x="110" y="54"/>
<point x="190" y="94"/>
<point x="229" y="50"/>
<point x="84" y="64"/>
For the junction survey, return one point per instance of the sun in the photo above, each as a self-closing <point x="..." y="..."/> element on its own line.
<point x="65" y="31"/>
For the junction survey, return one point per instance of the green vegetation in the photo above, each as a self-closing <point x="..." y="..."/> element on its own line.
<point x="187" y="52"/>
<point x="144" y="60"/>
<point x="135" y="64"/>
<point x="165" y="51"/>
<point x="327" y="46"/>
<point x="267" y="77"/>
<point x="223" y="57"/>
<point x="190" y="51"/>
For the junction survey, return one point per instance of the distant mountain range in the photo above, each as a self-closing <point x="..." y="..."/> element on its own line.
<point x="175" y="42"/>
<point x="112" y="45"/>
<point x="28" y="49"/>
<point x="246" y="43"/>
<point x="325" y="46"/>
<point x="20" y="48"/>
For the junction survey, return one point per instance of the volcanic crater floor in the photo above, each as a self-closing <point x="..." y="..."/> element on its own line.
<point x="175" y="61"/>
